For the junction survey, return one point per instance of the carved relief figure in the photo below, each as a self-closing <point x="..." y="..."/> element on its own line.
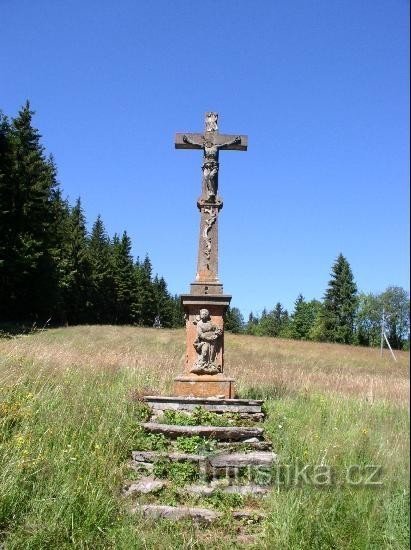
<point x="210" y="164"/>
<point x="207" y="345"/>
<point x="208" y="224"/>
<point x="211" y="122"/>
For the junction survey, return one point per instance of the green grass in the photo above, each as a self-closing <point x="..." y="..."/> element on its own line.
<point x="66" y="433"/>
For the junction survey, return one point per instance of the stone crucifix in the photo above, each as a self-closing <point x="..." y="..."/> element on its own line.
<point x="205" y="305"/>
<point x="211" y="142"/>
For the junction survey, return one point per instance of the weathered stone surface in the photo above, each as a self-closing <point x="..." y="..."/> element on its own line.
<point x="140" y="466"/>
<point x="240" y="460"/>
<point x="245" y="490"/>
<point x="152" y="456"/>
<point x="197" y="385"/>
<point x="144" y="485"/>
<point x="216" y="306"/>
<point x="203" y="515"/>
<point x="200" y="490"/>
<point x="205" y="344"/>
<point x="253" y="443"/>
<point x="163" y="403"/>
<point x="222" y="433"/>
<point x="247" y="514"/>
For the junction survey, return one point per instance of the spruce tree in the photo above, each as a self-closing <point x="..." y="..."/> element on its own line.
<point x="145" y="308"/>
<point x="125" y="284"/>
<point x="77" y="279"/>
<point x="28" y="188"/>
<point x="303" y="318"/>
<point x="234" y="320"/>
<point x="163" y="302"/>
<point x="340" y="303"/>
<point x="178" y="319"/>
<point x="102" y="295"/>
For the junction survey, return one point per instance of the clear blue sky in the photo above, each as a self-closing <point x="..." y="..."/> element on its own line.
<point x="320" y="87"/>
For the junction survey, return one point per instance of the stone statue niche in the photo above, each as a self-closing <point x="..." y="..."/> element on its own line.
<point x="207" y="345"/>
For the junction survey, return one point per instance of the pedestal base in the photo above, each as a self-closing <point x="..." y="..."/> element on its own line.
<point x="218" y="386"/>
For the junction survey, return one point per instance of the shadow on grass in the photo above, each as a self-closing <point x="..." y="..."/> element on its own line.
<point x="10" y="330"/>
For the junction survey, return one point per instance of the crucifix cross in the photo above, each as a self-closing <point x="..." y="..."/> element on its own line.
<point x="211" y="142"/>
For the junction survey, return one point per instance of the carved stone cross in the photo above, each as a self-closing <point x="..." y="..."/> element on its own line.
<point x="211" y="142"/>
<point x="206" y="304"/>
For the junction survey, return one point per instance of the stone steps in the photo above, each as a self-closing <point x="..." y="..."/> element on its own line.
<point x="219" y="460"/>
<point x="252" y="443"/>
<point x="236" y="449"/>
<point x="164" y="403"/>
<point x="201" y="515"/>
<point x="221" y="433"/>
<point x="151" y="485"/>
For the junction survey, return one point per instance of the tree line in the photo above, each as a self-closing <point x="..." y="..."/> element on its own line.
<point x="52" y="270"/>
<point x="343" y="316"/>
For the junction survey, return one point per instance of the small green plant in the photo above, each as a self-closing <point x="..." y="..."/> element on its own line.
<point x="150" y="442"/>
<point x="180" y="473"/>
<point x="201" y="417"/>
<point x="195" y="444"/>
<point x="224" y="501"/>
<point x="176" y="418"/>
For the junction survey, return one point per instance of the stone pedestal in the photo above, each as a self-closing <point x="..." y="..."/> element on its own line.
<point x="204" y="385"/>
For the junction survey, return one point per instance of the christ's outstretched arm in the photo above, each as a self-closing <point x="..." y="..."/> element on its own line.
<point x="186" y="139"/>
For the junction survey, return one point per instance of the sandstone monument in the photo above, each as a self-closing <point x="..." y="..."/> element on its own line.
<point x="206" y="304"/>
<point x="231" y="452"/>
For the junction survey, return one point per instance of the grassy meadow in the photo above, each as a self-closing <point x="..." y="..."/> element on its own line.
<point x="69" y="413"/>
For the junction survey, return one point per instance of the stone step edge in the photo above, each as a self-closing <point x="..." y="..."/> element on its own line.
<point x="214" y="405"/>
<point x="215" y="460"/>
<point x="151" y="485"/>
<point x="211" y="400"/>
<point x="221" y="433"/>
<point x="204" y="515"/>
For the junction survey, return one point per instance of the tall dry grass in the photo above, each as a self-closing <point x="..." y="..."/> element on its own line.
<point x="68" y="423"/>
<point x="156" y="356"/>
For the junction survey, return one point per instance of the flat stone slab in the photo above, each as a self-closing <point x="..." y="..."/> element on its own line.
<point x="218" y="460"/>
<point x="221" y="433"/>
<point x="240" y="460"/>
<point x="245" y="490"/>
<point x="253" y="443"/>
<point x="152" y="456"/>
<point x="203" y="515"/>
<point x="143" y="486"/>
<point x="155" y="511"/>
<point x="158" y="402"/>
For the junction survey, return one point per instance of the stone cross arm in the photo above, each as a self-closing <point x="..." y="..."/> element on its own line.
<point x="223" y="141"/>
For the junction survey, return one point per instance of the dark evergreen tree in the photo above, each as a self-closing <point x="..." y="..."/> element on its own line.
<point x="340" y="303"/>
<point x="303" y="318"/>
<point x="234" y="321"/>
<point x="124" y="280"/>
<point x="29" y="199"/>
<point x="273" y="323"/>
<point x="77" y="282"/>
<point x="178" y="319"/>
<point x="102" y="295"/>
<point x="163" y="302"/>
<point x="145" y="308"/>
